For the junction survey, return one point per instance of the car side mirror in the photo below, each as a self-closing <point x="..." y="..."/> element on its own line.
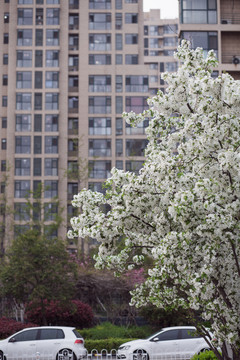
<point x="12" y="339"/>
<point x="155" y="339"/>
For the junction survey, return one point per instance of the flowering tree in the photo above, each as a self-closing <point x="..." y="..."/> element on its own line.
<point x="183" y="208"/>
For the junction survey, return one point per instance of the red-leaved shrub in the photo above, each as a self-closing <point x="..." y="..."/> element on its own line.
<point x="10" y="326"/>
<point x="75" y="313"/>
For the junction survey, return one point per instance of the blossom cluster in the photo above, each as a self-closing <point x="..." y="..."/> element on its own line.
<point x="183" y="208"/>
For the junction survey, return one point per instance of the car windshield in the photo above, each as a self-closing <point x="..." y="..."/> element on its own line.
<point x="152" y="336"/>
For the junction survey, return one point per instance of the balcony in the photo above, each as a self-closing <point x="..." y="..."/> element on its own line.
<point x="230" y="18"/>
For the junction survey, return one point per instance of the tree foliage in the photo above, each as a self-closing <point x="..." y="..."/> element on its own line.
<point x="37" y="267"/>
<point x="183" y="208"/>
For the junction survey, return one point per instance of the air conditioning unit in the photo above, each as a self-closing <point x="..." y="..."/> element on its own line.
<point x="224" y="21"/>
<point x="235" y="60"/>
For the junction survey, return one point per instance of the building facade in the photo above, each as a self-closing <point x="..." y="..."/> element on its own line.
<point x="69" y="68"/>
<point x="213" y="24"/>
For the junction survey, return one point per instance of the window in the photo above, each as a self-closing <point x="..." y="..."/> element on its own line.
<point x="168" y="335"/>
<point x="72" y="169"/>
<point x="5" y="38"/>
<point x="119" y="147"/>
<point x="53" y="2"/>
<point x="131" y="39"/>
<point x="4" y="122"/>
<point x="24" y="37"/>
<point x="4" y="144"/>
<point x="73" y="83"/>
<point x="50" y="211"/>
<point x="73" y="4"/>
<point x="38" y="80"/>
<point x="171" y="66"/>
<point x="189" y="334"/>
<point x="38" y="101"/>
<point x="25" y="16"/>
<point x="118" y="59"/>
<point x="73" y="104"/>
<point x="99" y="104"/>
<point x="118" y="21"/>
<point x="3" y="165"/>
<point x="5" y="59"/>
<point x="38" y="58"/>
<point x="119" y="104"/>
<point x="137" y="130"/>
<point x="52" y="58"/>
<point x="22" y="144"/>
<point x="100" y="42"/>
<point x="73" y="42"/>
<point x="51" y="144"/>
<point x="25" y="2"/>
<point x="153" y="43"/>
<point x="39" y="37"/>
<point x="72" y="146"/>
<point x="203" y="39"/>
<point x="6" y="18"/>
<point x="199" y="12"/>
<point x="50" y="188"/>
<point x="37" y="167"/>
<point x="73" y="62"/>
<point x="73" y="22"/>
<point x="37" y="145"/>
<point x="99" y="147"/>
<point x="99" y="126"/>
<point x="118" y="4"/>
<point x="24" y="58"/>
<point x="102" y="59"/>
<point x="51" y="101"/>
<point x="119" y="126"/>
<point x="24" y="80"/>
<point x="23" y="101"/>
<point x="170" y="41"/>
<point x="4" y="101"/>
<point x="50" y="167"/>
<point x="51" y="122"/>
<point x="118" y="42"/>
<point x="134" y="166"/>
<point x="21" y="188"/>
<point x="99" y="169"/>
<point x="72" y="190"/>
<point x="131" y="18"/>
<point x="154" y="30"/>
<point x="136" y="83"/>
<point x="72" y="125"/>
<point x="21" y="211"/>
<point x="100" y="21"/>
<point x="23" y="122"/>
<point x="131" y="1"/>
<point x="136" y="103"/>
<point x="99" y="4"/>
<point x="99" y="83"/>
<point x="131" y="59"/>
<point x="52" y="37"/>
<point x="39" y="16"/>
<point x="5" y="80"/>
<point x="51" y="80"/>
<point x="96" y="186"/>
<point x="51" y="334"/>
<point x="52" y="16"/>
<point x="135" y="147"/>
<point x="170" y="29"/>
<point x="37" y="122"/>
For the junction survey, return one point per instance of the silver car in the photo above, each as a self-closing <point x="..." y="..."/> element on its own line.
<point x="44" y="343"/>
<point x="180" y="342"/>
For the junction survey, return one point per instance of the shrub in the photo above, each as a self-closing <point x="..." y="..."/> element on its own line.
<point x="206" y="355"/>
<point x="108" y="330"/>
<point x="104" y="344"/>
<point x="9" y="326"/>
<point x="75" y="313"/>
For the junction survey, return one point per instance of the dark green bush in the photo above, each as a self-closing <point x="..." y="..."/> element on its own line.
<point x="107" y="344"/>
<point x="108" y="330"/>
<point x="206" y="355"/>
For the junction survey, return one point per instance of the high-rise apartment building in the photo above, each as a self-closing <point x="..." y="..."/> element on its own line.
<point x="214" y="24"/>
<point x="69" y="68"/>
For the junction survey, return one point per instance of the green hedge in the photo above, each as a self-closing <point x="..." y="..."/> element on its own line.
<point x="206" y="355"/>
<point x="104" y="344"/>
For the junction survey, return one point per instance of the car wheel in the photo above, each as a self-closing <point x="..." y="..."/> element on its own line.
<point x="140" y="354"/>
<point x="65" y="354"/>
<point x="2" y="357"/>
<point x="204" y="350"/>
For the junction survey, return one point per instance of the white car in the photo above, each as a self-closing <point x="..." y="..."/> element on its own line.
<point x="44" y="343"/>
<point x="180" y="342"/>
